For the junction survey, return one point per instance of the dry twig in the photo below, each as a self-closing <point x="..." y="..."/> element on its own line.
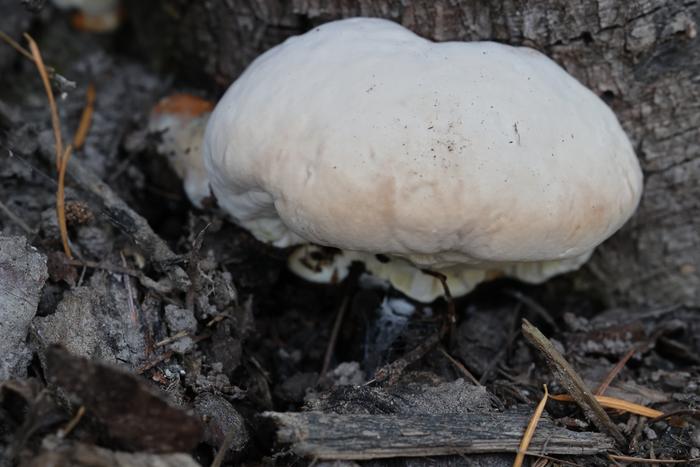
<point x="172" y="338"/>
<point x="391" y="372"/>
<point x="15" y="45"/>
<point x="152" y="363"/>
<point x="334" y="337"/>
<point x="451" y="310"/>
<point x="58" y="80"/>
<point x="16" y="219"/>
<point x="166" y="355"/>
<point x="572" y="382"/>
<point x="547" y="459"/>
<point x="459" y="366"/>
<point x="533" y="306"/>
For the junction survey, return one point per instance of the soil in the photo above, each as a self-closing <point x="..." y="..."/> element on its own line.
<point x="170" y="344"/>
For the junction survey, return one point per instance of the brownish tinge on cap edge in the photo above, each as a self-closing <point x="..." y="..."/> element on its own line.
<point x="105" y="22"/>
<point x="183" y="104"/>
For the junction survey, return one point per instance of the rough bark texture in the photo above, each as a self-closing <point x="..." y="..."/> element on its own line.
<point x="331" y="436"/>
<point x="641" y="56"/>
<point x="22" y="275"/>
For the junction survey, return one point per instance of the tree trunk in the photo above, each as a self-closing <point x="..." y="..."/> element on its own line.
<point x="641" y="56"/>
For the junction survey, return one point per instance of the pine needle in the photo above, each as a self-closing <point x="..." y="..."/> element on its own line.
<point x="85" y="118"/>
<point x="72" y="423"/>
<point x="55" y="122"/>
<point x="28" y="55"/>
<point x="618" y="404"/>
<point x="530" y="430"/>
<point x="62" y="156"/>
<point x="15" y="45"/>
<point x="60" y="201"/>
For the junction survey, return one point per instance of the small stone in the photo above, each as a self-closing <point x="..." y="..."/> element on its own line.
<point x="182" y="345"/>
<point x="180" y="319"/>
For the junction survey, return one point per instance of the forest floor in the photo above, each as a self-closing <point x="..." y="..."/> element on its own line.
<point x="199" y="341"/>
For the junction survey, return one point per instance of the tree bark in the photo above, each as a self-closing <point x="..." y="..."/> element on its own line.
<point x="641" y="56"/>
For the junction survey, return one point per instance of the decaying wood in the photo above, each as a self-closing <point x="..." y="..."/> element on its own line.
<point x="572" y="382"/>
<point x="642" y="57"/>
<point x="353" y="437"/>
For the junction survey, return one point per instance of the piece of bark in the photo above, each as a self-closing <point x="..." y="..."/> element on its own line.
<point x="359" y="436"/>
<point x="572" y="382"/>
<point x="23" y="272"/>
<point x="643" y="58"/>
<point x="133" y="414"/>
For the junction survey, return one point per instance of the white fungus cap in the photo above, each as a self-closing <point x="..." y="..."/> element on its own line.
<point x="451" y="156"/>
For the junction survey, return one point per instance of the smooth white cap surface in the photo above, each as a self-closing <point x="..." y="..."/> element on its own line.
<point x="363" y="136"/>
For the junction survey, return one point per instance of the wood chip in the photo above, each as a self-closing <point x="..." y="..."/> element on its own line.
<point x="370" y="436"/>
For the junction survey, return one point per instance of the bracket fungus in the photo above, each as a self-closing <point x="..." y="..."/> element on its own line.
<point x="473" y="159"/>
<point x="180" y="120"/>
